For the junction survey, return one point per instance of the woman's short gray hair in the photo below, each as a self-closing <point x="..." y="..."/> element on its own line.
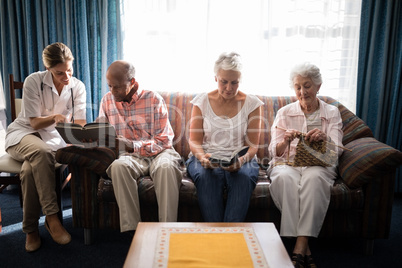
<point x="228" y="61"/>
<point x="306" y="69"/>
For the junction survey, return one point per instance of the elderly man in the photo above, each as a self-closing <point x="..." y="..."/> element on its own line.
<point x="145" y="137"/>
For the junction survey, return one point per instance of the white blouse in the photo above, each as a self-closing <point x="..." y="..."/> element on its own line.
<point x="222" y="136"/>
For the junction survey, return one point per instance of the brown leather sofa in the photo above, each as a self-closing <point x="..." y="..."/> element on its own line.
<point x="361" y="199"/>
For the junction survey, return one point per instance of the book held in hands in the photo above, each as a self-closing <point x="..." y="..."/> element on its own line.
<point x="228" y="161"/>
<point x="103" y="134"/>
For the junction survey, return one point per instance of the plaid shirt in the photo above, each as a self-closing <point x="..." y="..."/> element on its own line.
<point x="144" y="120"/>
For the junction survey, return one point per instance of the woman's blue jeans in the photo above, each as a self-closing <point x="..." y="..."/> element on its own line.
<point x="211" y="185"/>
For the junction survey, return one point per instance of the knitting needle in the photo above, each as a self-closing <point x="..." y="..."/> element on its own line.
<point x="304" y="134"/>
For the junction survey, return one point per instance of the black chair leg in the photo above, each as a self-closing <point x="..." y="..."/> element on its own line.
<point x="59" y="173"/>
<point x="88" y="236"/>
<point x="369" y="247"/>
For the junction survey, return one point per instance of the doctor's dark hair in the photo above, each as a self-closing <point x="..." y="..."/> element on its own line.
<point x="56" y="53"/>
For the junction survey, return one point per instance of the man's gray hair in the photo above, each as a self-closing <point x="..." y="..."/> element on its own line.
<point x="130" y="71"/>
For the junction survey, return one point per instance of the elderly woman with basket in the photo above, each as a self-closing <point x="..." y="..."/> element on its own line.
<point x="301" y="190"/>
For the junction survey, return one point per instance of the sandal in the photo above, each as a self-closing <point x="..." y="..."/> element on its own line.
<point x="308" y="260"/>
<point x="297" y="260"/>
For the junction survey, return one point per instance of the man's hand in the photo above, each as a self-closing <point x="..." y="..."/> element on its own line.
<point x="124" y="144"/>
<point x="107" y="141"/>
<point x="101" y="119"/>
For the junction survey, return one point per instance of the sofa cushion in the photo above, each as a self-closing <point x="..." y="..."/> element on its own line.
<point x="353" y="127"/>
<point x="179" y="108"/>
<point x="368" y="159"/>
<point x="261" y="197"/>
<point x="344" y="198"/>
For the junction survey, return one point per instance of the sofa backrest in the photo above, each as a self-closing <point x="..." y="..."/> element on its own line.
<point x="179" y="107"/>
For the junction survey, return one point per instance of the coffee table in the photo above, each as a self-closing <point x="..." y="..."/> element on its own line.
<point x="142" y="250"/>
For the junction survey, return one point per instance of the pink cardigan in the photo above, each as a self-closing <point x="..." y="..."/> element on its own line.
<point x="292" y="117"/>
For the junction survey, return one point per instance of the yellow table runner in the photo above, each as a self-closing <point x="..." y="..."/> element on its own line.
<point x="208" y="247"/>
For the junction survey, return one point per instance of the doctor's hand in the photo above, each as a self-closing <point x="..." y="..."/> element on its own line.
<point x="58" y="118"/>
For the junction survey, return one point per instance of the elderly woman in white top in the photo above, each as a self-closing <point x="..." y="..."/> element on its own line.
<point x="223" y="121"/>
<point x="302" y="194"/>
<point x="49" y="97"/>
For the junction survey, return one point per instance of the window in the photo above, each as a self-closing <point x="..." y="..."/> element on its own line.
<point x="174" y="43"/>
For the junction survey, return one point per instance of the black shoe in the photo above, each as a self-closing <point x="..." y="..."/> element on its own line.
<point x="297" y="260"/>
<point x="309" y="262"/>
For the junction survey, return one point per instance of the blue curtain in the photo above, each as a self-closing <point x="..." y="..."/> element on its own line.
<point x="90" y="28"/>
<point x="379" y="87"/>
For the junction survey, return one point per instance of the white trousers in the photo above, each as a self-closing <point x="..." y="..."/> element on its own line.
<point x="165" y="173"/>
<point x="302" y="194"/>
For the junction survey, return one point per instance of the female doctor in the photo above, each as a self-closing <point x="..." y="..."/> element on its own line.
<point x="49" y="97"/>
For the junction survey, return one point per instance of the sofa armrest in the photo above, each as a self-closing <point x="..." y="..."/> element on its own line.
<point x="368" y="159"/>
<point x="96" y="159"/>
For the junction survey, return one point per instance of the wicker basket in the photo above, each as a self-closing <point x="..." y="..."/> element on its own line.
<point x="313" y="154"/>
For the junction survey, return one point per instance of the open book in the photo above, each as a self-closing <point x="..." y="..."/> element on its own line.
<point x="94" y="132"/>
<point x="228" y="161"/>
